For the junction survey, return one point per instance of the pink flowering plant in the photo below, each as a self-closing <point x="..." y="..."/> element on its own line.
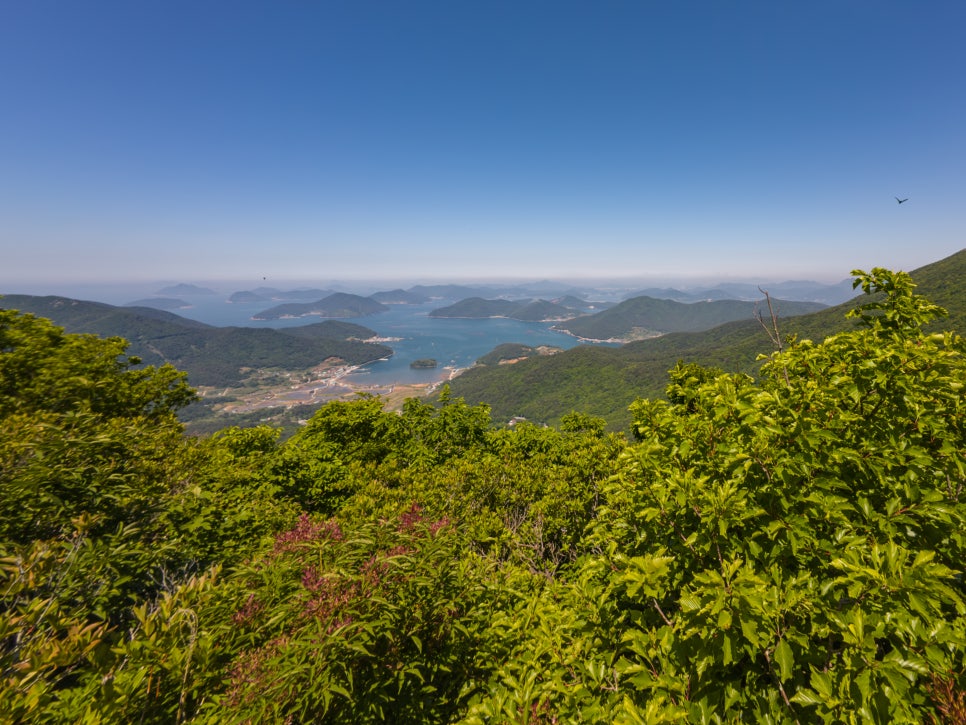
<point x="382" y="621"/>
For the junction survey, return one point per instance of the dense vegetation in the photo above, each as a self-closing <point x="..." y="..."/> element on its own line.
<point x="514" y="352"/>
<point x="215" y="356"/>
<point x="605" y="381"/>
<point x="787" y="550"/>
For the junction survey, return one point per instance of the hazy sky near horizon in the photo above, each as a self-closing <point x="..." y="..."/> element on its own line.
<point x="186" y="140"/>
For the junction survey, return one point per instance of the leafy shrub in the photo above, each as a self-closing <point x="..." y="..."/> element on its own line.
<point x="374" y="622"/>
<point x="793" y="550"/>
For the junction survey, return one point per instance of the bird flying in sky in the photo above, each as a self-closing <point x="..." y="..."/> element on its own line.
<point x="901" y="200"/>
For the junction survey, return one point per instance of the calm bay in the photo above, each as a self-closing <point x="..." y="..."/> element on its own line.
<point x="455" y="343"/>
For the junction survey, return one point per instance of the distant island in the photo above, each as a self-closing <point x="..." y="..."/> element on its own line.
<point x="339" y="304"/>
<point x="246" y="297"/>
<point x="264" y="294"/>
<point x="399" y="297"/>
<point x="423" y="364"/>
<point x="186" y="289"/>
<point x="524" y="310"/>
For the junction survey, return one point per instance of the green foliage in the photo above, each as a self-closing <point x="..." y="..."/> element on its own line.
<point x="44" y="638"/>
<point x="524" y="494"/>
<point x="436" y="435"/>
<point x="786" y="550"/>
<point x="360" y="429"/>
<point x="232" y="502"/>
<point x="41" y="368"/>
<point x="793" y="551"/>
<point x="81" y="432"/>
<point x="591" y="425"/>
<point x="89" y="450"/>
<point x="363" y="624"/>
<point x="686" y="378"/>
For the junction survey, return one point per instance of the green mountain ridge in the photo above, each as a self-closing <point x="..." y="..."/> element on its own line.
<point x="803" y="290"/>
<point x="212" y="356"/>
<point x="524" y="310"/>
<point x="643" y="317"/>
<point x="605" y="381"/>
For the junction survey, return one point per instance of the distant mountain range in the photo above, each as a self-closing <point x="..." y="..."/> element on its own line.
<point x="801" y="290"/>
<point x="449" y="291"/>
<point x="540" y="386"/>
<point x="557" y="293"/>
<point x="643" y="317"/>
<point x="212" y="356"/>
<point x="633" y="319"/>
<point x="604" y="381"/>
<point x="578" y="303"/>
<point x="399" y="297"/>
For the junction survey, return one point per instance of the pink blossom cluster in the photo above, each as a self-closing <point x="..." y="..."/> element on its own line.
<point x="327" y="594"/>
<point x="306" y="531"/>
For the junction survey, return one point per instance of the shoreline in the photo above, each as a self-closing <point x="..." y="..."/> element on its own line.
<point x="609" y="341"/>
<point x="336" y="385"/>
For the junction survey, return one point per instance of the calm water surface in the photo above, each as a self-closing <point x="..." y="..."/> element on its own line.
<point x="453" y="343"/>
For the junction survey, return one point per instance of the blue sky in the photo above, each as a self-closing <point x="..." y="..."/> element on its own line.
<point x="186" y="140"/>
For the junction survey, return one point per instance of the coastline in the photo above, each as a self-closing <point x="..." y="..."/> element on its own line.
<point x="612" y="340"/>
<point x="334" y="384"/>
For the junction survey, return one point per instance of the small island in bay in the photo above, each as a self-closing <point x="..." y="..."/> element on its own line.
<point x="423" y="364"/>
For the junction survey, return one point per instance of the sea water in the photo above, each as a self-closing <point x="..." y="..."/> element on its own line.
<point x="455" y="343"/>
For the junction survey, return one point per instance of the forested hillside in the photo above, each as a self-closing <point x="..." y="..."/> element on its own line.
<point x="786" y="550"/>
<point x="338" y="304"/>
<point x="605" y="381"/>
<point x="212" y="356"/>
<point x="512" y="352"/>
<point x="644" y="317"/>
<point x="526" y="310"/>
